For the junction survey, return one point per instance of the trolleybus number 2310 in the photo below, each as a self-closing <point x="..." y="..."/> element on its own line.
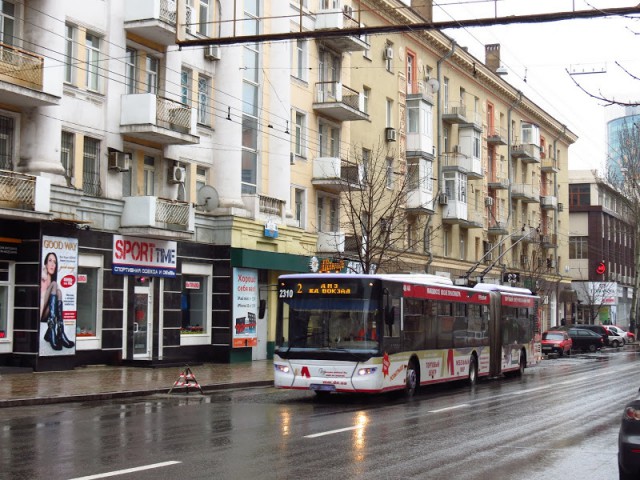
<point x="378" y="333"/>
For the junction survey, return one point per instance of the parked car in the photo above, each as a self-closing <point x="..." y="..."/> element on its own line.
<point x="629" y="441"/>
<point x="600" y="330"/>
<point x="628" y="337"/>
<point x="585" y="339"/>
<point x="615" y="340"/>
<point x="556" y="341"/>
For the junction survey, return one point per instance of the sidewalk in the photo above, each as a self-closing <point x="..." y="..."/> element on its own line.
<point x="107" y="382"/>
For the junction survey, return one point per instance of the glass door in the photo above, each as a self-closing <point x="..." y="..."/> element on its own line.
<point x="142" y="318"/>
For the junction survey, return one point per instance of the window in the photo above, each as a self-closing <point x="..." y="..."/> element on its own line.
<point x="579" y="195"/>
<point x="389" y="113"/>
<point x="93" y="61"/>
<point x="365" y="167"/>
<point x="329" y="70"/>
<point x="366" y="53"/>
<point x="366" y="95"/>
<point x="67" y="153"/>
<point x="388" y="57"/>
<point x="329" y="140"/>
<point x="91" y="167"/>
<point x="149" y="175"/>
<point x="7" y="130"/>
<point x="203" y="18"/>
<point x="476" y="144"/>
<point x="6" y="306"/>
<point x="300" y="60"/>
<point x="578" y="247"/>
<point x="320" y="214"/>
<point x="411" y="73"/>
<point x="89" y="289"/>
<point x="186" y="76"/>
<point x="333" y="215"/>
<point x="7" y="22"/>
<point x="203" y="99"/>
<point x="131" y="71"/>
<point x="389" y="173"/>
<point x="250" y="95"/>
<point x="300" y="123"/>
<point x="299" y="205"/>
<point x="201" y="177"/>
<point x="152" y="74"/>
<point x="195" y="303"/>
<point x="69" y="52"/>
<point x="127" y="178"/>
<point x="530" y="133"/>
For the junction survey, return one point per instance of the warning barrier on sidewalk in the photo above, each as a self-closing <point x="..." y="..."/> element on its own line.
<point x="186" y="380"/>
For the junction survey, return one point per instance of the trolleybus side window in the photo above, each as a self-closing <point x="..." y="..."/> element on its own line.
<point x="392" y="340"/>
<point x="415" y="324"/>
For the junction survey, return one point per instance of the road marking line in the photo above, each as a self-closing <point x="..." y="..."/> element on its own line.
<point x="522" y="392"/>
<point x="331" y="432"/>
<point x="450" y="408"/>
<point x="128" y="470"/>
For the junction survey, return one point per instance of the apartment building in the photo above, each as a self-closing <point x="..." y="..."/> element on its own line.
<point x="173" y="185"/>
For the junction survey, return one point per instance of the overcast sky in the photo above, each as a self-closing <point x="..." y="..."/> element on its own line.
<point x="542" y="53"/>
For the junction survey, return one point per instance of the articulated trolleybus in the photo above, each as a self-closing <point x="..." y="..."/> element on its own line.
<point x="379" y="333"/>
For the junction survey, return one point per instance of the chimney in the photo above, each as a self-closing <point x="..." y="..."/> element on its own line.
<point x="492" y="56"/>
<point x="424" y="8"/>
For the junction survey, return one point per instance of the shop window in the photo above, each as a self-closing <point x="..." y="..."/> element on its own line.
<point x="193" y="304"/>
<point x="89" y="302"/>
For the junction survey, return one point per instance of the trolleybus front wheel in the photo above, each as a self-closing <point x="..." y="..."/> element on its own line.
<point x="473" y="371"/>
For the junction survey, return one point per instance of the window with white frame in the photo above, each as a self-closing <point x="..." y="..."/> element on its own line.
<point x="388" y="56"/>
<point x="186" y="76"/>
<point x="476" y="143"/>
<point x="364" y="37"/>
<point x="250" y="95"/>
<point x="366" y="96"/>
<point x="204" y="84"/>
<point x="203" y="18"/>
<point x="389" y="173"/>
<point x="300" y="60"/>
<point x="7" y="22"/>
<point x="530" y="133"/>
<point x="152" y="67"/>
<point x="131" y="70"/>
<point x="202" y="174"/>
<point x="389" y="113"/>
<point x="149" y="175"/>
<point x="299" y="202"/>
<point x="92" y="45"/>
<point x="69" y="52"/>
<point x="328" y="140"/>
<point x="300" y="122"/>
<point x="90" y="272"/>
<point x="7" y="140"/>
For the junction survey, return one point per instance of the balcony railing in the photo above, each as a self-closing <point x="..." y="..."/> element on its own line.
<point x="339" y="101"/>
<point x="340" y="18"/>
<point x="172" y="212"/>
<point x="526" y="192"/>
<point x="472" y="166"/>
<point x="527" y="152"/>
<point x="173" y="115"/>
<point x="153" y="19"/>
<point x="263" y="207"/>
<point x="153" y="213"/>
<point x="24" y="192"/>
<point x="497" y="135"/>
<point x="20" y="67"/>
<point x="455" y="113"/>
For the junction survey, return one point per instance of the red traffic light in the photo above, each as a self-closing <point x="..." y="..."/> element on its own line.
<point x="601" y="268"/>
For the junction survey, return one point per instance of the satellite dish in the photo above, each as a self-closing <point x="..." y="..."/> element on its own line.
<point x="434" y="84"/>
<point x="208" y="198"/>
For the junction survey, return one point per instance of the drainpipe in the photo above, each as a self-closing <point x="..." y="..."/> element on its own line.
<point x="555" y="194"/>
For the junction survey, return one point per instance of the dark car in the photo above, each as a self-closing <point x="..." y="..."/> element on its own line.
<point x="600" y="330"/>
<point x="556" y="341"/>
<point x="584" y="339"/>
<point x="629" y="441"/>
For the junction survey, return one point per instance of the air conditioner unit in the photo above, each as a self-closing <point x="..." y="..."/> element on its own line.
<point x="388" y="53"/>
<point x="443" y="199"/>
<point x="390" y="134"/>
<point x="488" y="201"/>
<point x="348" y="11"/>
<point x="119" y="161"/>
<point x="177" y="174"/>
<point x="212" y="52"/>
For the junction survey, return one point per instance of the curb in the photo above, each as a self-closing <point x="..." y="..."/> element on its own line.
<point x="90" y="397"/>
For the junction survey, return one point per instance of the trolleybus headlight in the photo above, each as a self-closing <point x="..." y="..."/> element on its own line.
<point x="367" y="370"/>
<point x="281" y="368"/>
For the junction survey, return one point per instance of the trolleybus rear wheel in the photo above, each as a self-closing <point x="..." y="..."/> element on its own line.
<point x="411" y="385"/>
<point x="473" y="371"/>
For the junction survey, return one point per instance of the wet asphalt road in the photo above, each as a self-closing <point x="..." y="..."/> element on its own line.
<point x="560" y="420"/>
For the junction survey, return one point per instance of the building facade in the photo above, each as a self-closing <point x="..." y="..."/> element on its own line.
<point x="171" y="186"/>
<point x="601" y="252"/>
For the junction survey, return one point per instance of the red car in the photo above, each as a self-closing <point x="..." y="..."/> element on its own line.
<point x="556" y="341"/>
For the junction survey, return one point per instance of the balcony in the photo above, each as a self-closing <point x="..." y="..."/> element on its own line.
<point x="549" y="240"/>
<point x="24" y="196"/>
<point x="153" y="20"/>
<point x="265" y="208"/>
<point x="455" y="113"/>
<point x="498" y="181"/>
<point x="497" y="226"/>
<point x="524" y="234"/>
<point x="340" y="18"/>
<point x="474" y="120"/>
<point x="548" y="202"/>
<point x="460" y="162"/>
<point x="157" y="217"/>
<point x="454" y="212"/>
<point x="22" y="79"/>
<point x="527" y="152"/>
<point x="419" y="201"/>
<point x="330" y="242"/>
<point x="496" y="135"/>
<point x="339" y="102"/>
<point x="525" y="192"/>
<point x="332" y="174"/>
<point x="152" y="118"/>
<point x="549" y="165"/>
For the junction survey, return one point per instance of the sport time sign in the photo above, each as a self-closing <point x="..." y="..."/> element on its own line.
<point x="142" y="256"/>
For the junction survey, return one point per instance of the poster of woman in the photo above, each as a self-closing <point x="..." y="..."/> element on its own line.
<point x="58" y="288"/>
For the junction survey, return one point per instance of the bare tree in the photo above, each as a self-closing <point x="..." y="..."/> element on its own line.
<point x="608" y="101"/>
<point x="382" y="235"/>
